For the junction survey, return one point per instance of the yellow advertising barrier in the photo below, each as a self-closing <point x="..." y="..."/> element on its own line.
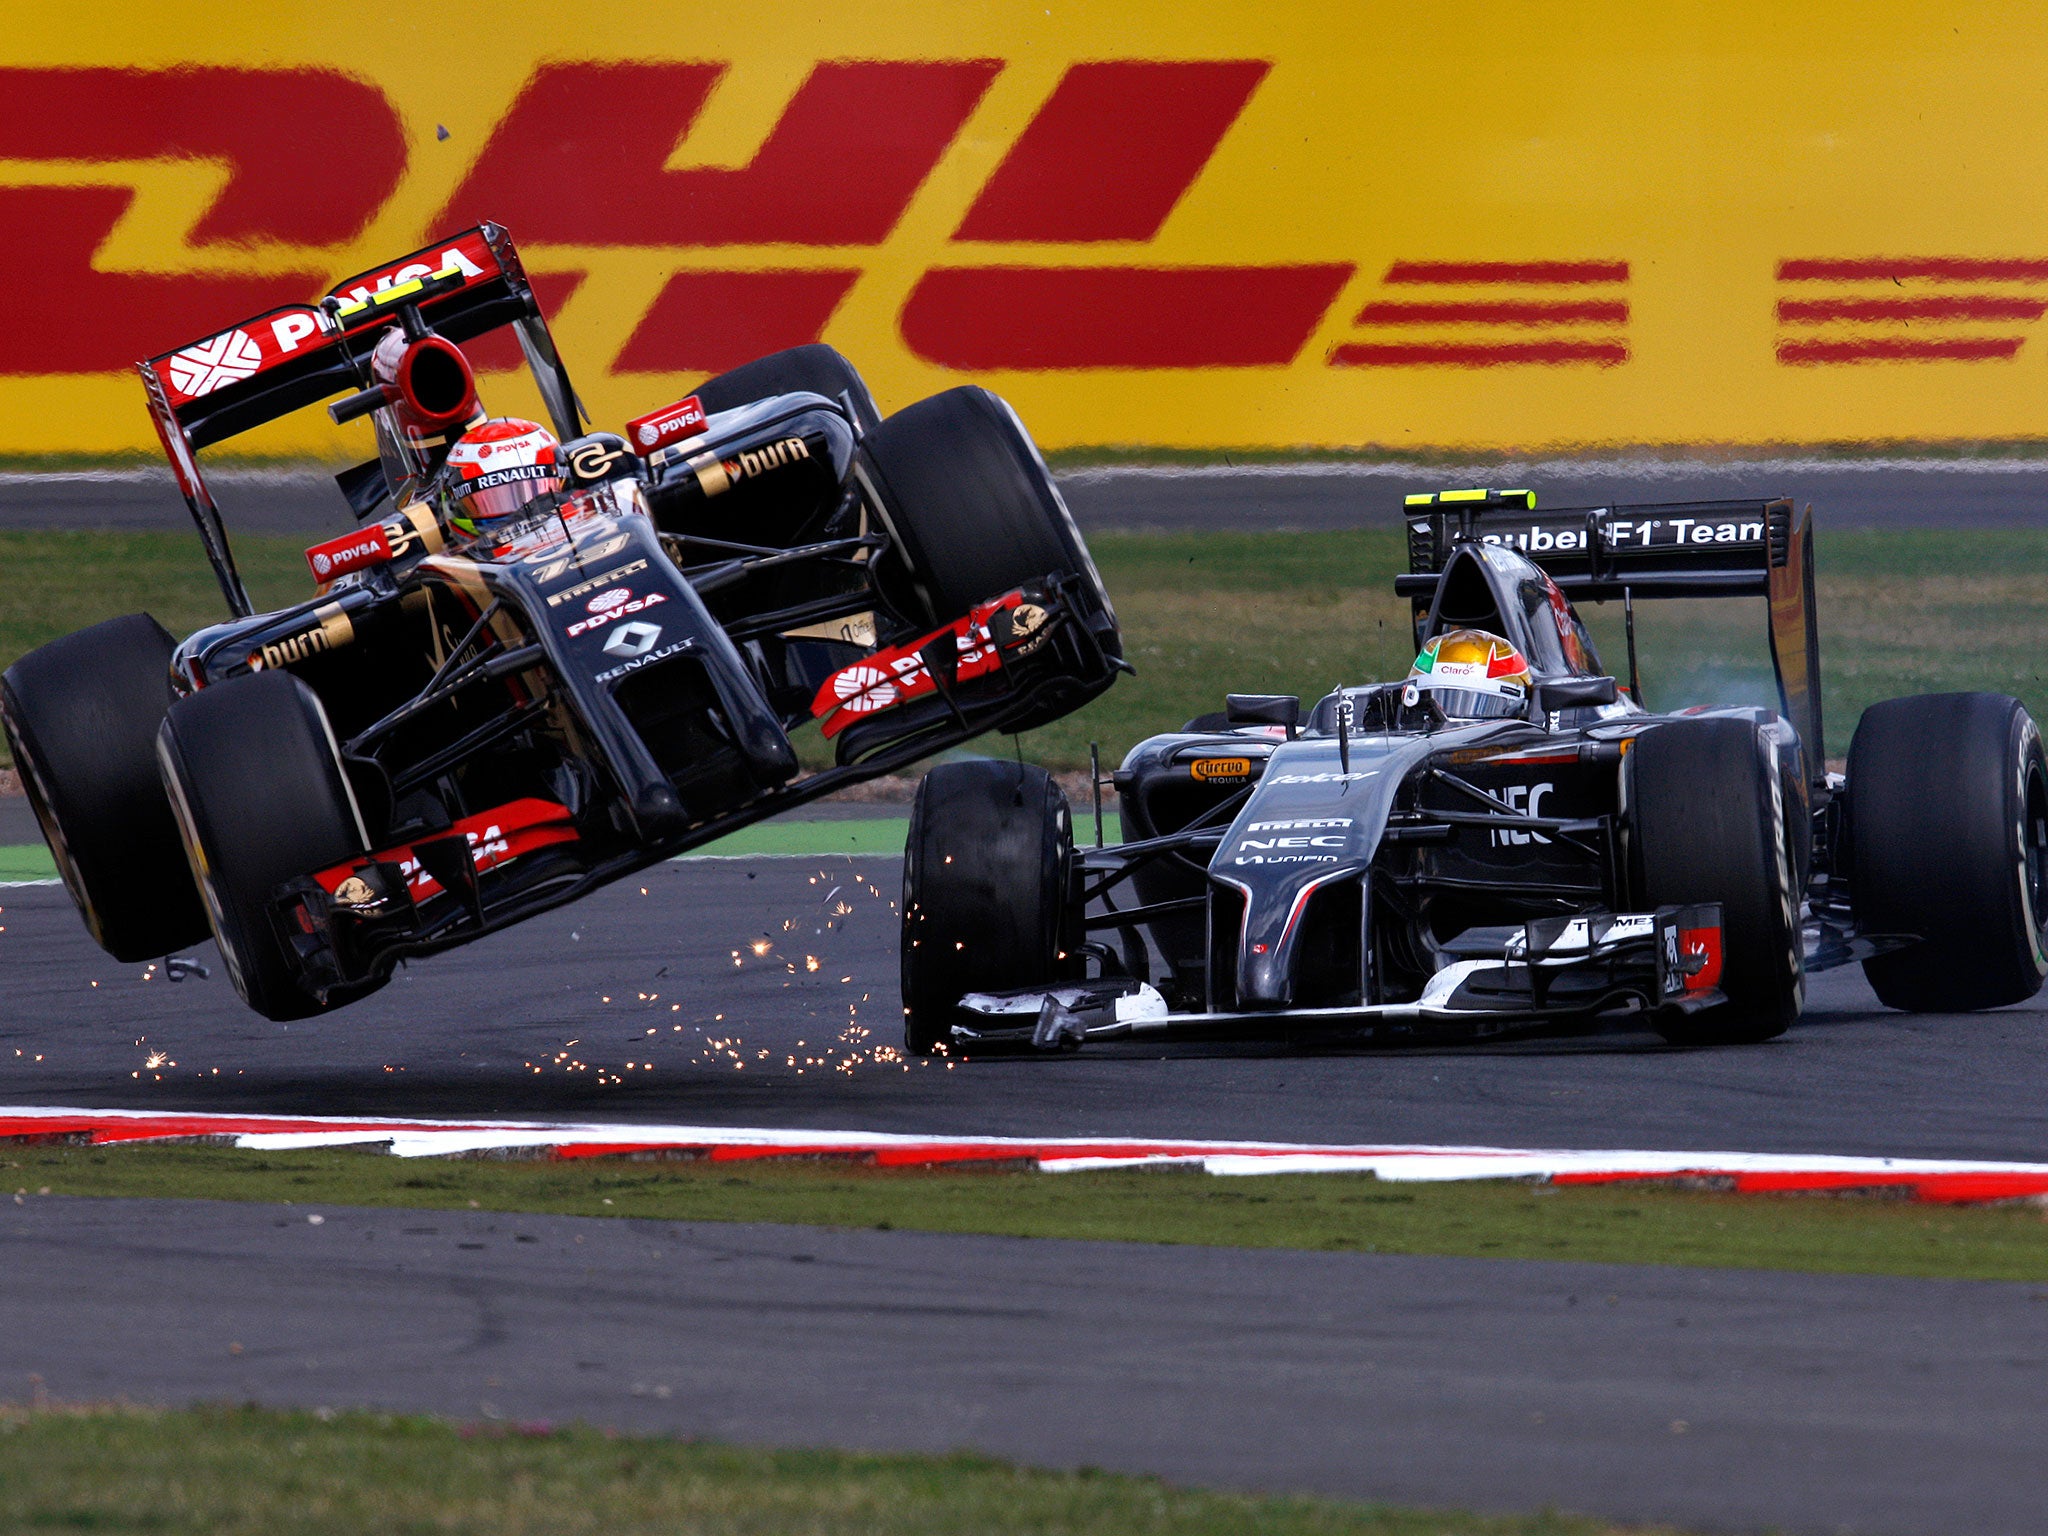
<point x="1460" y="225"/>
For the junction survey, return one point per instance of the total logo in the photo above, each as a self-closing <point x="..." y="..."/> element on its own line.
<point x="608" y="606"/>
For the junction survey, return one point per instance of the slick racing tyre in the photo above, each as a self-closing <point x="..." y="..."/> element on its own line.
<point x="1948" y="839"/>
<point x="815" y="369"/>
<point x="988" y="892"/>
<point x="261" y="798"/>
<point x="973" y="513"/>
<point x="1707" y="823"/>
<point x="82" y="714"/>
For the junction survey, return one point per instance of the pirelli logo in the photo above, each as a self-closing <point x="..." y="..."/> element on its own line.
<point x="583" y="588"/>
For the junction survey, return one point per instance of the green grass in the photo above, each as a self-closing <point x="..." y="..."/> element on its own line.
<point x="1211" y="613"/>
<point x="773" y="839"/>
<point x="1333" y="1212"/>
<point x="256" y="1472"/>
<point x="30" y="863"/>
<point x="1108" y="455"/>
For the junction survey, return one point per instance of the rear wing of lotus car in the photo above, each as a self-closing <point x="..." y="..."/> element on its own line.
<point x="290" y="358"/>
<point x="1657" y="549"/>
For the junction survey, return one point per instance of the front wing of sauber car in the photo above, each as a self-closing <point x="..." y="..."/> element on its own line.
<point x="602" y="641"/>
<point x="1322" y="817"/>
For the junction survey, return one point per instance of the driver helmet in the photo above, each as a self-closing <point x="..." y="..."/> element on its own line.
<point x="497" y="468"/>
<point x="1472" y="675"/>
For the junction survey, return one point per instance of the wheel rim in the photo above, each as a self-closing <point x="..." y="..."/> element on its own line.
<point x="202" y="870"/>
<point x="53" y="834"/>
<point x="2033" y="831"/>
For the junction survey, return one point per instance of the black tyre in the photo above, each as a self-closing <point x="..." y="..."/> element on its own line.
<point x="260" y="796"/>
<point x="1948" y="838"/>
<point x="988" y="893"/>
<point x="1707" y="823"/>
<point x="817" y="369"/>
<point x="973" y="512"/>
<point x="81" y="714"/>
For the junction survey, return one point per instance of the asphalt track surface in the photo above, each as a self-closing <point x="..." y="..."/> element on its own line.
<point x="1729" y="1400"/>
<point x="1811" y="1403"/>
<point x="1871" y="493"/>
<point x="542" y="1021"/>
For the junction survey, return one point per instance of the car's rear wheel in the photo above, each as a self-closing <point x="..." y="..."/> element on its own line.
<point x="973" y="513"/>
<point x="1948" y="839"/>
<point x="260" y="796"/>
<point x="81" y="714"/>
<point x="815" y="369"/>
<point x="1707" y="823"/>
<point x="988" y="897"/>
<point x="970" y="502"/>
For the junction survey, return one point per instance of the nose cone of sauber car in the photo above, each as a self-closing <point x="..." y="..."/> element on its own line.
<point x="1309" y="824"/>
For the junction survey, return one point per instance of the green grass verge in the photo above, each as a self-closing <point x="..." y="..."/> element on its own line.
<point x="1211" y="613"/>
<point x="1333" y="1212"/>
<point x="1942" y="450"/>
<point x="30" y="863"/>
<point x="256" y="1472"/>
<point x="772" y="839"/>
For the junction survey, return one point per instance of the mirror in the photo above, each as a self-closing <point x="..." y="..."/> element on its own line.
<point x="1264" y="709"/>
<point x="1556" y="693"/>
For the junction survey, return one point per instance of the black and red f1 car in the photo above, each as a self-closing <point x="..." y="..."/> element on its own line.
<point x="1383" y="871"/>
<point x="461" y="730"/>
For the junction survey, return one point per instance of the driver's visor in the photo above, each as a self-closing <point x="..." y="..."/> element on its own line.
<point x="491" y="502"/>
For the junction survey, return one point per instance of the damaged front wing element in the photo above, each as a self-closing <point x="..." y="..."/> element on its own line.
<point x="1550" y="969"/>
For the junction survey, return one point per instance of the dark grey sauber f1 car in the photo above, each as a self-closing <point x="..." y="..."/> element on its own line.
<point x="467" y="725"/>
<point x="1386" y="869"/>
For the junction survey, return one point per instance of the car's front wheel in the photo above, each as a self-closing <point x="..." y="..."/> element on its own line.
<point x="1707" y="823"/>
<point x="1948" y="840"/>
<point x="988" y="897"/>
<point x="260" y="795"/>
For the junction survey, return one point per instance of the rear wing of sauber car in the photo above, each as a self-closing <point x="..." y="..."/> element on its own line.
<point x="1656" y="549"/>
<point x="290" y="358"/>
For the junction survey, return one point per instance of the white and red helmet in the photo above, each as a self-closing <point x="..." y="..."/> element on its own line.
<point x="497" y="468"/>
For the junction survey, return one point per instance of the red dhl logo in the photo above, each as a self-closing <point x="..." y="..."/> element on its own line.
<point x="579" y="159"/>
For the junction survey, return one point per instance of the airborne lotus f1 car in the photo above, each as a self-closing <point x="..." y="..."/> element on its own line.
<point x="1383" y="871"/>
<point x="464" y="727"/>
